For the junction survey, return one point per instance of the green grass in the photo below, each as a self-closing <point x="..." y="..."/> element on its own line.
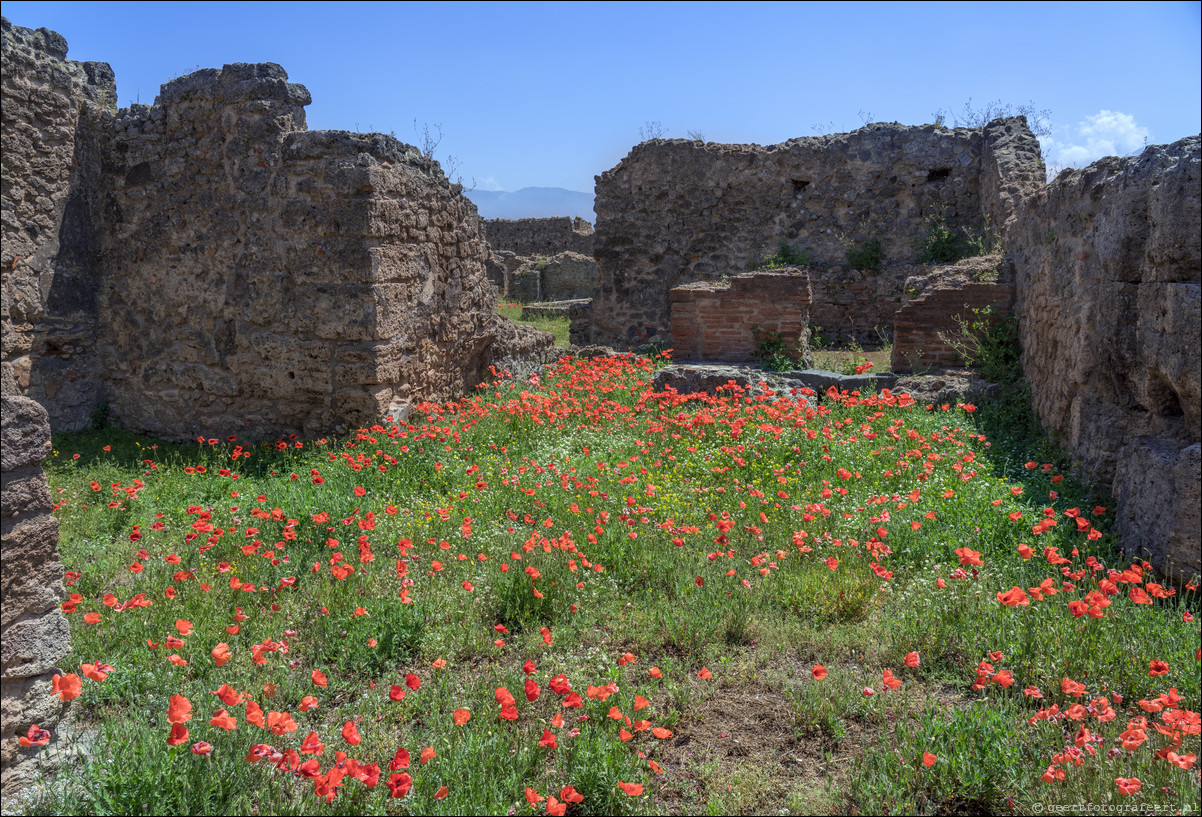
<point x="559" y="327"/>
<point x="597" y="529"/>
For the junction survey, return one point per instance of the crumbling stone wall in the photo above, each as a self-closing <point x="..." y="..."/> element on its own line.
<point x="540" y="236"/>
<point x="1109" y="266"/>
<point x="34" y="634"/>
<point x="50" y="201"/>
<point x="676" y="211"/>
<point x="976" y="291"/>
<point x="278" y="277"/>
<point x="859" y="305"/>
<point x="229" y="271"/>
<point x="725" y="321"/>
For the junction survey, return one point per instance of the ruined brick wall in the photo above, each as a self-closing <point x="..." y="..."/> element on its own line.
<point x="722" y="321"/>
<point x="34" y="634"/>
<point x="1108" y="265"/>
<point x="921" y="326"/>
<point x="50" y="139"/>
<point x="540" y="236"/>
<point x="674" y="212"/>
<point x="857" y="305"/>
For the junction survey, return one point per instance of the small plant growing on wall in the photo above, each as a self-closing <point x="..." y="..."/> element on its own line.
<point x="785" y="256"/>
<point x="867" y="255"/>
<point x="944" y="245"/>
<point x="771" y="351"/>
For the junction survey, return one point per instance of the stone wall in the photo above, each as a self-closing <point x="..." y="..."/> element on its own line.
<point x="34" y="634"/>
<point x="675" y="212"/>
<point x="229" y="271"/>
<point x="857" y="305"/>
<point x="724" y="322"/>
<point x="540" y="236"/>
<point x="1108" y="264"/>
<point x="50" y="200"/>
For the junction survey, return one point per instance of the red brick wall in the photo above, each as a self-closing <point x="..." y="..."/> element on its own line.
<point x="718" y="322"/>
<point x="917" y="344"/>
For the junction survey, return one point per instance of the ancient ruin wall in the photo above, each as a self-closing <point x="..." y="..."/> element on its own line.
<point x="725" y="322"/>
<point x="50" y="200"/>
<point x="540" y="236"/>
<point x="264" y="278"/>
<point x="208" y="266"/>
<point x="1109" y="265"/>
<point x="34" y="635"/>
<point x="674" y="212"/>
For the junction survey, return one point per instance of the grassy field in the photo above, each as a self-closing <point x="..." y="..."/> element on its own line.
<point x="558" y="327"/>
<point x="577" y="595"/>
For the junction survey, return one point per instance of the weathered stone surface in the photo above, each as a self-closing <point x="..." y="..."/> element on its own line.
<point x="24" y="491"/>
<point x="1108" y="265"/>
<point x="33" y="632"/>
<point x="50" y="138"/>
<point x="541" y="259"/>
<point x="674" y="212"/>
<point x="24" y="432"/>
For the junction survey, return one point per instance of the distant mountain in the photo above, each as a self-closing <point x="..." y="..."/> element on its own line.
<point x="533" y="202"/>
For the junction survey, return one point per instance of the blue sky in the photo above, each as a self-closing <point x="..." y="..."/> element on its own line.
<point x="550" y="94"/>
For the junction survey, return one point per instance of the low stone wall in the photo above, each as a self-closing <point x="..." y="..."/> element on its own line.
<point x="1108" y="264"/>
<point x="721" y="322"/>
<point x="34" y="634"/>
<point x="560" y="277"/>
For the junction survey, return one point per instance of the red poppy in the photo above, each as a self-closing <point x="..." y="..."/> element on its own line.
<point x="548" y="739"/>
<point x="631" y="789"/>
<point x="319" y="678"/>
<point x="556" y="808"/>
<point x="179" y="709"/>
<point x="1128" y="785"/>
<point x="202" y="748"/>
<point x="350" y="733"/>
<point x="312" y="745"/>
<point x="307" y="703"/>
<point x="1157" y="667"/>
<point x="399" y="784"/>
<point x="929" y="759"/>
<point x="34" y="737"/>
<point x="441" y="793"/>
<point x="462" y="716"/>
<point x="412" y="681"/>
<point x="428" y="754"/>
<point x="819" y="672"/>
<point x="704" y="674"/>
<point x="179" y="734"/>
<point x="223" y="720"/>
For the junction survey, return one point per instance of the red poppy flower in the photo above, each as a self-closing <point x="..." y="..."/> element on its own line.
<point x="179" y="709"/>
<point x="631" y="789"/>
<point x="36" y="737"/>
<point x="319" y="678"/>
<point x="704" y="674"/>
<point x="312" y="745"/>
<point x="179" y="734"/>
<point x="350" y="733"/>
<point x="929" y="759"/>
<point x="1128" y="785"/>
<point x="556" y="808"/>
<point x="400" y="760"/>
<point x="462" y="716"/>
<point x="819" y="672"/>
<point x="412" y="681"/>
<point x="223" y="720"/>
<point x="399" y="784"/>
<point x="1157" y="667"/>
<point x="307" y="703"/>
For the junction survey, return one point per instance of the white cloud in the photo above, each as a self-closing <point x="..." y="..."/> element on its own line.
<point x="1106" y="133"/>
<point x="489" y="183"/>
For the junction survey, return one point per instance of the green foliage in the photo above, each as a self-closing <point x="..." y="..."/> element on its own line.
<point x="99" y="419"/>
<point x="944" y="245"/>
<point x="988" y="342"/>
<point x="772" y="353"/>
<point x="785" y="256"/>
<point x="867" y="255"/>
